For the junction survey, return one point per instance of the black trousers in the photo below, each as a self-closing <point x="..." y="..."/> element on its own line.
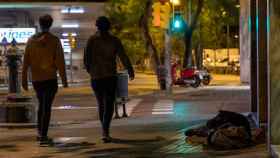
<point x="105" y="92"/>
<point x="45" y="91"/>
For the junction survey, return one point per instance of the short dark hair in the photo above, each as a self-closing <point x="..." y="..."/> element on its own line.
<point x="103" y="23"/>
<point x="45" y="21"/>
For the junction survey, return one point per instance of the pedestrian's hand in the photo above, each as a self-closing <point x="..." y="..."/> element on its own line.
<point x="131" y="76"/>
<point x="25" y="87"/>
<point x="65" y="85"/>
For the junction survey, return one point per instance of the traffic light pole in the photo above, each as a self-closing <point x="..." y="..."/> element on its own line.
<point x="190" y="11"/>
<point x="167" y="61"/>
<point x="71" y="67"/>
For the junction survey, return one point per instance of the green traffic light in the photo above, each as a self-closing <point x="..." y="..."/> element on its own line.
<point x="177" y="24"/>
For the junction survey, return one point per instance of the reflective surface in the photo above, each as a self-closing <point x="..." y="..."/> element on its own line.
<point x="26" y="15"/>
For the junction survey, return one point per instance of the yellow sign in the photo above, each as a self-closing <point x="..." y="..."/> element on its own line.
<point x="156" y="14"/>
<point x="73" y="42"/>
<point x="165" y="11"/>
<point x="161" y="15"/>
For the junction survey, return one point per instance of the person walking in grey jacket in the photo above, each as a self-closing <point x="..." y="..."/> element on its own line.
<point x="100" y="56"/>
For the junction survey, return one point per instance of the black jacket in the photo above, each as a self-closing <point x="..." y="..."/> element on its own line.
<point x="100" y="56"/>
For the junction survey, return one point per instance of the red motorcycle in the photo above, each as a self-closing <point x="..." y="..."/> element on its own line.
<point x="188" y="76"/>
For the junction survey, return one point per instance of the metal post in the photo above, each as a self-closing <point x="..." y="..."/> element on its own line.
<point x="253" y="81"/>
<point x="228" y="43"/>
<point x="167" y="62"/>
<point x="71" y="67"/>
<point x="190" y="11"/>
<point x="268" y="81"/>
<point x="262" y="62"/>
<point x="190" y="62"/>
<point x="173" y="12"/>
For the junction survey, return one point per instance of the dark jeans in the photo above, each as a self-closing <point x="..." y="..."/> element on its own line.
<point x="105" y="92"/>
<point x="45" y="91"/>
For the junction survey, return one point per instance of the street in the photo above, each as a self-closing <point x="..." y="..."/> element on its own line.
<point x="81" y="99"/>
<point x="155" y="126"/>
<point x="165" y="42"/>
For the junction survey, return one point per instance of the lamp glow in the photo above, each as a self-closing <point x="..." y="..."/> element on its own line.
<point x="175" y="2"/>
<point x="70" y="26"/>
<point x="69" y="34"/>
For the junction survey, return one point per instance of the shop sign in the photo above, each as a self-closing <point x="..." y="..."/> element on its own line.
<point x="21" y="35"/>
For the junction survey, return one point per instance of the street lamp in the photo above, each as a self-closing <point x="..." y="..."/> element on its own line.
<point x="175" y="2"/>
<point x="237" y="5"/>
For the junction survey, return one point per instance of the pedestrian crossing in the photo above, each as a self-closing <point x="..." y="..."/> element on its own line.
<point x="130" y="105"/>
<point x="159" y="107"/>
<point x="134" y="107"/>
<point x="163" y="107"/>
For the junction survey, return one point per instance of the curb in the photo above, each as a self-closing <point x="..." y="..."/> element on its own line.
<point x="18" y="125"/>
<point x="274" y="152"/>
<point x="34" y="125"/>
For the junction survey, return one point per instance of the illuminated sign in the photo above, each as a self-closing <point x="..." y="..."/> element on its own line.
<point x="21" y="35"/>
<point x="66" y="45"/>
<point x="74" y="10"/>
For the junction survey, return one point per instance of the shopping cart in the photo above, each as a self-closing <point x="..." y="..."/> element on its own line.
<point x="121" y="93"/>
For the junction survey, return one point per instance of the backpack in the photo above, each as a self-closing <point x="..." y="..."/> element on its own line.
<point x="231" y="137"/>
<point x="225" y="118"/>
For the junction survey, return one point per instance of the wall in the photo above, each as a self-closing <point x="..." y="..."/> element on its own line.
<point x="245" y="41"/>
<point x="221" y="54"/>
<point x="274" y="59"/>
<point x="15" y="19"/>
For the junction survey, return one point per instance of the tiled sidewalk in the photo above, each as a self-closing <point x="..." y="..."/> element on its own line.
<point x="133" y="138"/>
<point x="139" y="136"/>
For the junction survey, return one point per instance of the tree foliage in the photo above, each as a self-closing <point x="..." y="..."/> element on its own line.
<point x="187" y="62"/>
<point x="215" y="17"/>
<point x="212" y="18"/>
<point x="207" y="28"/>
<point x="125" y="15"/>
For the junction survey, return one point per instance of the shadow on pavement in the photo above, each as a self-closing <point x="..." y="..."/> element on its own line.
<point x="135" y="149"/>
<point x="9" y="147"/>
<point x="45" y="156"/>
<point x="137" y="141"/>
<point x="128" y="153"/>
<point x="72" y="147"/>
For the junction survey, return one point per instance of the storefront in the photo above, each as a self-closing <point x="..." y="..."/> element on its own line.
<point x="7" y="35"/>
<point x="73" y="24"/>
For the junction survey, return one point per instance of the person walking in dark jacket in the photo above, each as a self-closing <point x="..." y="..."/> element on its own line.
<point x="100" y="57"/>
<point x="44" y="56"/>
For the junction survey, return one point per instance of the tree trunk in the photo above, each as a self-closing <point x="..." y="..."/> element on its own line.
<point x="188" y="35"/>
<point x="146" y="32"/>
<point x="199" y="56"/>
<point x="188" y="49"/>
<point x="199" y="51"/>
<point x="167" y="62"/>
